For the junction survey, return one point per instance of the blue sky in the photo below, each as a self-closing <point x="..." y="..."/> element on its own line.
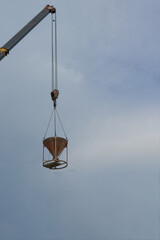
<point x="108" y="70"/>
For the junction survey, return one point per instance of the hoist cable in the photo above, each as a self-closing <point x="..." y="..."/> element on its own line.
<point x="54" y="52"/>
<point x="52" y="47"/>
<point x="56" y="72"/>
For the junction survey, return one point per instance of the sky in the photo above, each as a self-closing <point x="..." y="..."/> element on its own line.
<point x="109" y="83"/>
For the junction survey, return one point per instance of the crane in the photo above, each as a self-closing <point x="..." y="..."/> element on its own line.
<point x="54" y="145"/>
<point x="4" y="51"/>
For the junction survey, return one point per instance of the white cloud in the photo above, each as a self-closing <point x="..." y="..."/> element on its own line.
<point x="69" y="75"/>
<point x="130" y="136"/>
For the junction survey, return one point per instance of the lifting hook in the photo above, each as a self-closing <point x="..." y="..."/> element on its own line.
<point x="54" y="96"/>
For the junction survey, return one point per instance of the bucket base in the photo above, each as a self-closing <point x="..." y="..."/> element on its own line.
<point x="55" y="164"/>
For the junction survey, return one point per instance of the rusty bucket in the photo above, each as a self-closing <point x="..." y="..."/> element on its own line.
<point x="55" y="146"/>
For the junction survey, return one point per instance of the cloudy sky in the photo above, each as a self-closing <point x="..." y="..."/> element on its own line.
<point x="109" y="82"/>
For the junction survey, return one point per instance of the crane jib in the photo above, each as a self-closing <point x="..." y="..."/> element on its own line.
<point x="25" y="30"/>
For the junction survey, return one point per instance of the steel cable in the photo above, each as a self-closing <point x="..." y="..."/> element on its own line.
<point x="52" y="47"/>
<point x="56" y="72"/>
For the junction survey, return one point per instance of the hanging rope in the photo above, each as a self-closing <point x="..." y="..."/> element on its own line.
<point x="52" y="47"/>
<point x="54" y="75"/>
<point x="54" y="52"/>
<point x="54" y="93"/>
<point x="56" y="72"/>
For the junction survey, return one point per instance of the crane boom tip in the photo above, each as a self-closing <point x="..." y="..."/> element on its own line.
<point x="51" y="9"/>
